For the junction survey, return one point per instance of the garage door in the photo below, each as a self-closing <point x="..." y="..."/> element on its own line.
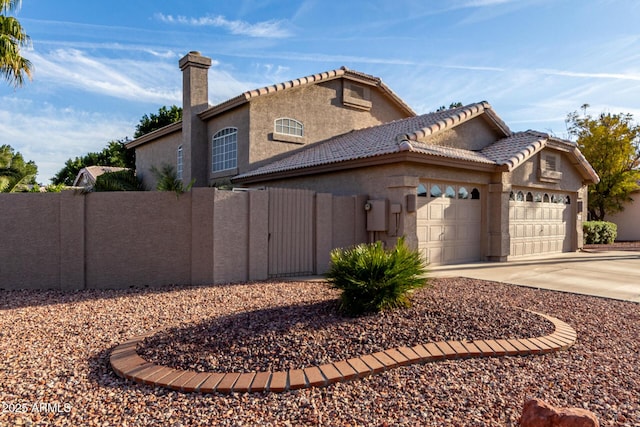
<point x="449" y="223"/>
<point x="539" y="223"/>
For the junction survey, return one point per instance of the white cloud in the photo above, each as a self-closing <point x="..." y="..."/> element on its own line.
<point x="49" y="136"/>
<point x="124" y="79"/>
<point x="613" y="76"/>
<point x="264" y="29"/>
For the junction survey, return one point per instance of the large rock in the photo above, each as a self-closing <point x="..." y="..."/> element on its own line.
<point x="537" y="413"/>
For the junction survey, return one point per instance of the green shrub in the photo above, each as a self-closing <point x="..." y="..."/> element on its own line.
<point x="599" y="232"/>
<point x="167" y="177"/>
<point x="373" y="279"/>
<point x="124" y="180"/>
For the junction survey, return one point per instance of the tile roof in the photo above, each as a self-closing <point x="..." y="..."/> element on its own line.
<point x="314" y="78"/>
<point x="388" y="138"/>
<point x="519" y="147"/>
<point x="93" y="172"/>
<point x="402" y="136"/>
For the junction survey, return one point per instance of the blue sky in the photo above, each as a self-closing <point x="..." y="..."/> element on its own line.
<point x="100" y="66"/>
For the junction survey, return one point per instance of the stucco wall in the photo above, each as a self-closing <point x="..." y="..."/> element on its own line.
<point x="161" y="151"/>
<point x="628" y="221"/>
<point x="238" y="118"/>
<point x="137" y="238"/>
<point x="471" y="135"/>
<point x="114" y="240"/>
<point x="527" y="174"/>
<point x="319" y="107"/>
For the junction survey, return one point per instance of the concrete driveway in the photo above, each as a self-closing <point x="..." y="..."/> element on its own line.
<point x="611" y="274"/>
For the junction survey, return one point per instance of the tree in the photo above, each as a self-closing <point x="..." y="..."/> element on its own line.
<point x="114" y="154"/>
<point x="611" y="143"/>
<point x="16" y="175"/>
<point x="165" y="116"/>
<point x="13" y="67"/>
<point x="452" y="105"/>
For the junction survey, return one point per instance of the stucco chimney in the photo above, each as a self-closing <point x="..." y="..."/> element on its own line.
<point x="195" y="99"/>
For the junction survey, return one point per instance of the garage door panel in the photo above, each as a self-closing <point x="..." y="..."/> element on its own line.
<point x="436" y="233"/>
<point x="435" y="212"/>
<point x="449" y="229"/>
<point x="543" y="228"/>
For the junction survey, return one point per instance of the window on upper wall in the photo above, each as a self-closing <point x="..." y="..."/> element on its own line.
<point x="224" y="150"/>
<point x="179" y="161"/>
<point x="287" y="126"/>
<point x="422" y="191"/>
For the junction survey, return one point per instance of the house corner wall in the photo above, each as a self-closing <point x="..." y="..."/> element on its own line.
<point x="402" y="223"/>
<point x="581" y="215"/>
<point x="497" y="208"/>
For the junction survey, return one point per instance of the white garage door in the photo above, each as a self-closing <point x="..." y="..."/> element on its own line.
<point x="449" y="223"/>
<point x="539" y="223"/>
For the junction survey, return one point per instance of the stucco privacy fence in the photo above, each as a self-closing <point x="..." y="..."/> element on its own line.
<point x="75" y="241"/>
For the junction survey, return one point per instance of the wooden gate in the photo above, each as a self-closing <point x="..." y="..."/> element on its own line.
<point x="291" y="232"/>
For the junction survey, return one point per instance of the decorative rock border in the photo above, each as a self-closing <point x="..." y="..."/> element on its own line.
<point x="126" y="363"/>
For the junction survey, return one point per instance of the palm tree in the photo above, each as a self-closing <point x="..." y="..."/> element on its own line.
<point x="16" y="175"/>
<point x="13" y="67"/>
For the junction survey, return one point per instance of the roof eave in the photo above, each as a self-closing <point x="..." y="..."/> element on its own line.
<point x="405" y="156"/>
<point x="151" y="136"/>
<point x="312" y="79"/>
<point x="467" y="113"/>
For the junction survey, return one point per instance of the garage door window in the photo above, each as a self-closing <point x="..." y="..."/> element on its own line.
<point x="422" y="191"/>
<point x="520" y="196"/>
<point x="450" y="193"/>
<point x="435" y="191"/>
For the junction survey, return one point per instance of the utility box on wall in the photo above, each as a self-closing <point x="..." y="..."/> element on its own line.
<point x="377" y="215"/>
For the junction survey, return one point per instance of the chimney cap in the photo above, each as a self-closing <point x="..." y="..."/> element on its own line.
<point x="194" y="59"/>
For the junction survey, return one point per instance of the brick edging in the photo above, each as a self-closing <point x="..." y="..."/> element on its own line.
<point x="126" y="363"/>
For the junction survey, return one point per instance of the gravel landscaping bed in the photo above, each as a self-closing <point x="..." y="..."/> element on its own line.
<point x="298" y="336"/>
<point x="54" y="350"/>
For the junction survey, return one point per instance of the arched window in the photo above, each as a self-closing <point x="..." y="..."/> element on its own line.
<point x="179" y="162"/>
<point x="545" y="198"/>
<point x="537" y="197"/>
<point x="512" y="196"/>
<point x="567" y="200"/>
<point x="224" y="150"/>
<point x="450" y="193"/>
<point x="520" y="196"/>
<point x="435" y="191"/>
<point x="463" y="193"/>
<point x="422" y="191"/>
<point x="288" y="126"/>
<point x="475" y="194"/>
<point x="529" y="196"/>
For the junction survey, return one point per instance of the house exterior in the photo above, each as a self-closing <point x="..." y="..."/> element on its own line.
<point x="628" y="221"/>
<point x="458" y="184"/>
<point x="88" y="175"/>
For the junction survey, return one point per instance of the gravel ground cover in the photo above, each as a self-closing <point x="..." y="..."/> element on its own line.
<point x="54" y="350"/>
